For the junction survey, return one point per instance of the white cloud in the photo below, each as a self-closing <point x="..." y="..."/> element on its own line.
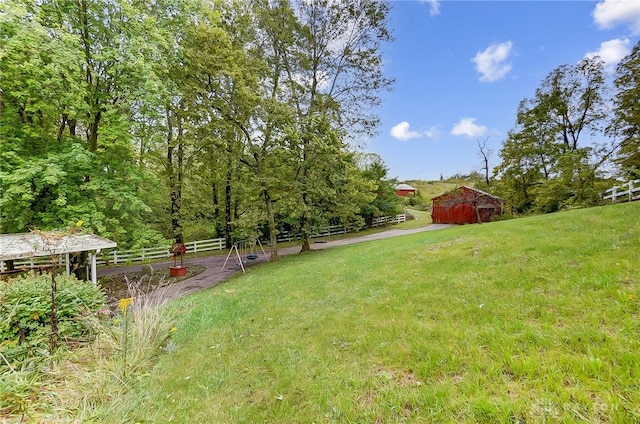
<point x="492" y="63"/>
<point x="434" y="6"/>
<point x="403" y="133"/>
<point x="610" y="13"/>
<point x="432" y="132"/>
<point x="469" y="128"/>
<point x="612" y="52"/>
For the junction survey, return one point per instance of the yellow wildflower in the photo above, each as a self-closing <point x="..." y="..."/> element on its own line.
<point x="123" y="304"/>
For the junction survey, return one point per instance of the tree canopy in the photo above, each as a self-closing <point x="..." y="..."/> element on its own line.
<point x="189" y="118"/>
<point x="566" y="142"/>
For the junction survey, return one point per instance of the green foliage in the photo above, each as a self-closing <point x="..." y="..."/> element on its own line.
<point x="385" y="203"/>
<point x="546" y="165"/>
<point x="51" y="176"/>
<point x="25" y="313"/>
<point x="144" y="119"/>
<point x="627" y="115"/>
<point x="18" y="391"/>
<point x="92" y="382"/>
<point x="328" y="92"/>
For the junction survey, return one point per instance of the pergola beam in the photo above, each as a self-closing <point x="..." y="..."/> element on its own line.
<point x="47" y="244"/>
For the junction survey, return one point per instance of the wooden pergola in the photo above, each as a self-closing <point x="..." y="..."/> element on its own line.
<point x="14" y="247"/>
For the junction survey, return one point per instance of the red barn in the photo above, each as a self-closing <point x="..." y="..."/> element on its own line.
<point x="404" y="189"/>
<point x="465" y="205"/>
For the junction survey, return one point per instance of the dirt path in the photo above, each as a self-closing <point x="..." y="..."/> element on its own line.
<point x="214" y="274"/>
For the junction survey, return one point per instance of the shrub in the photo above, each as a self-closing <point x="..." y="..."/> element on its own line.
<point x="102" y="382"/>
<point x="25" y="313"/>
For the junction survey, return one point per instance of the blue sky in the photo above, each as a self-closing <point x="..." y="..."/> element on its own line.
<point x="462" y="68"/>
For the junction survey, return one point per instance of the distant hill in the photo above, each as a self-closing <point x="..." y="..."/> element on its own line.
<point x="431" y="189"/>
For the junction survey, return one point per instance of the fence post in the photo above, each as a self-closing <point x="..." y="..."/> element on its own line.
<point x="115" y="256"/>
<point x="195" y="246"/>
<point x="630" y="190"/>
<point x="613" y="194"/>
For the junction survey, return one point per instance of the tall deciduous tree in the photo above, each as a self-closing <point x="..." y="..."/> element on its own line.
<point x="626" y="124"/>
<point x="545" y="159"/>
<point x="83" y="76"/>
<point x="330" y="68"/>
<point x="220" y="91"/>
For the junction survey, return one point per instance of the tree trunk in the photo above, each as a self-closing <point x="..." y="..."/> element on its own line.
<point x="486" y="170"/>
<point x="92" y="132"/>
<point x="477" y="211"/>
<point x="72" y="127"/>
<point x="306" y="238"/>
<point x="304" y="228"/>
<point x="273" y="232"/>
<point x="175" y="178"/>
<point x="304" y="220"/>
<point x="215" y="201"/>
<point x="227" y="201"/>
<point x="63" y="124"/>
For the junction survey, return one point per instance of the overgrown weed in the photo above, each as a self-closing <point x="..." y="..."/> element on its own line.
<point x="98" y="381"/>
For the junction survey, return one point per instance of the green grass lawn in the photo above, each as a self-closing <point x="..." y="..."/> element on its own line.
<point x="421" y="219"/>
<point x="527" y="320"/>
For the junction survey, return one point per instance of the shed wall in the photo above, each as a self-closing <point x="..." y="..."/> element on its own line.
<point x="403" y="193"/>
<point x="457" y="207"/>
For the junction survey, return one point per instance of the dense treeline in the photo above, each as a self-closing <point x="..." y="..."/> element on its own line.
<point x="576" y="134"/>
<point x="190" y="118"/>
<point x="156" y="120"/>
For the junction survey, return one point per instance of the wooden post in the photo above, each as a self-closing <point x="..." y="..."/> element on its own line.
<point x="94" y="272"/>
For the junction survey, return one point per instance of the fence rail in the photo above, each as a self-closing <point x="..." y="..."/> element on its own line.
<point x="31" y="262"/>
<point x="111" y="257"/>
<point x="141" y="255"/>
<point x="331" y="230"/>
<point x="383" y="220"/>
<point x="628" y="191"/>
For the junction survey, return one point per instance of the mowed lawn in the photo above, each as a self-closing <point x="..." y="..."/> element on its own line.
<point x="527" y="320"/>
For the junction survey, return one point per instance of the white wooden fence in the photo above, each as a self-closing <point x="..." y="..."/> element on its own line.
<point x="145" y="254"/>
<point x="333" y="230"/>
<point x="141" y="255"/>
<point x="628" y="191"/>
<point x="383" y="220"/>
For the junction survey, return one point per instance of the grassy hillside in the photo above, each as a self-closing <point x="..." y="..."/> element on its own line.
<point x="528" y="320"/>
<point x="431" y="189"/>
